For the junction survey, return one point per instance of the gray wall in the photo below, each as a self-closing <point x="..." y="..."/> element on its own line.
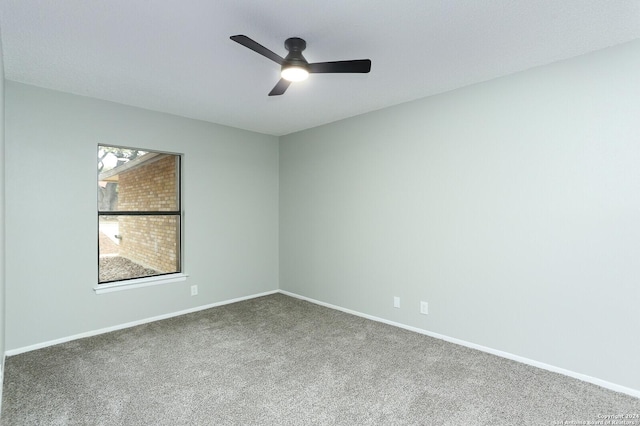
<point x="2" y="226"/>
<point x="511" y="206"/>
<point x="230" y="207"/>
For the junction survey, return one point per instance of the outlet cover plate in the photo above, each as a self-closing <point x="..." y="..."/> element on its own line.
<point x="424" y="308"/>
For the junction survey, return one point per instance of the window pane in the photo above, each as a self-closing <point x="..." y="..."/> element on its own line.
<point x="135" y="239"/>
<point x="138" y="246"/>
<point x="133" y="180"/>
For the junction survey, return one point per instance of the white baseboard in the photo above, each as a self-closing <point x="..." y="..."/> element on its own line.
<point x="131" y="324"/>
<point x="603" y="383"/>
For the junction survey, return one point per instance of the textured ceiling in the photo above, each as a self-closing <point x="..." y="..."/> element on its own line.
<point x="176" y="56"/>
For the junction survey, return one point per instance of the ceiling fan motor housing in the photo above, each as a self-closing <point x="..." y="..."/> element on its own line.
<point x="294" y="58"/>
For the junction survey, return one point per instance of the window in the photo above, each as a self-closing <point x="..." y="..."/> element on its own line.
<point x="139" y="214"/>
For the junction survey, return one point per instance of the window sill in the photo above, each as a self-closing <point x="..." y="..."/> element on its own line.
<point x="139" y="282"/>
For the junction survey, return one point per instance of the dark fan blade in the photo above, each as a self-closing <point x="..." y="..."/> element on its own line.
<point x="258" y="48"/>
<point x="358" y="65"/>
<point x="280" y="87"/>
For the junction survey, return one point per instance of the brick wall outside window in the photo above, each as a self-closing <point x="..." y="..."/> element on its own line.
<point x="151" y="241"/>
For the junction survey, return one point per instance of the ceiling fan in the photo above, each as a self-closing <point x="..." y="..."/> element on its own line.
<point x="294" y="67"/>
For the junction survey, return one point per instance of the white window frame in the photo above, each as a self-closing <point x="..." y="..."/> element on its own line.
<point x="132" y="283"/>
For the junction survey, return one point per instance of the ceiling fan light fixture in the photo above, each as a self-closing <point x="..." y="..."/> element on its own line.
<point x="295" y="67"/>
<point x="294" y="73"/>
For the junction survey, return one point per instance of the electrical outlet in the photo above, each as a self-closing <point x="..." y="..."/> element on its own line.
<point x="424" y="308"/>
<point x="194" y="290"/>
<point x="396" y="302"/>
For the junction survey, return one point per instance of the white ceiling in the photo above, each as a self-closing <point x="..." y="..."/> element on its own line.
<point x="176" y="56"/>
